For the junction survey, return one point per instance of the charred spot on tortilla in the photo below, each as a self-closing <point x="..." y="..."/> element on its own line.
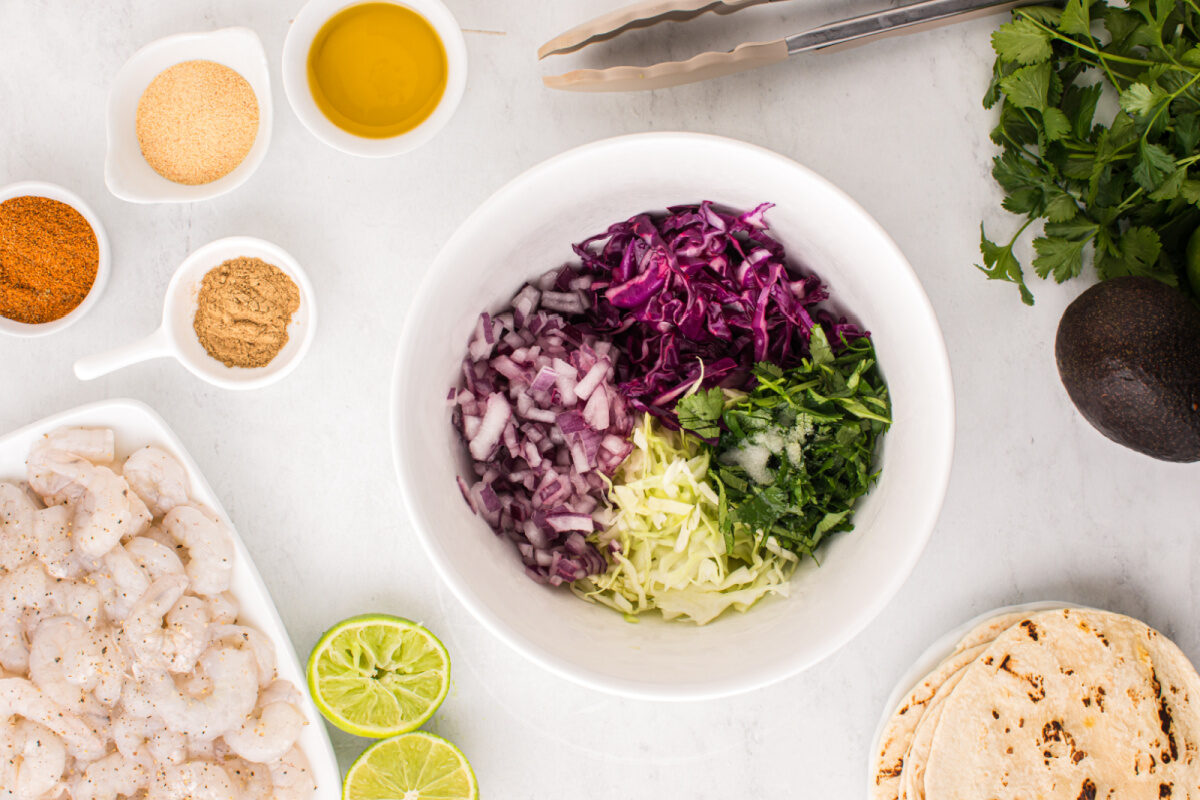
<point x="995" y="714"/>
<point x="1030" y="629"/>
<point x="1088" y="790"/>
<point x="1052" y="731"/>
<point x="1164" y="790"/>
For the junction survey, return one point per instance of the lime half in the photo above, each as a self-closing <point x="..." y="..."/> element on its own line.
<point x="377" y="675"/>
<point x="411" y="766"/>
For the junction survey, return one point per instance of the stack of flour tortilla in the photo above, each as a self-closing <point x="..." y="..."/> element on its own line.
<point x="1068" y="703"/>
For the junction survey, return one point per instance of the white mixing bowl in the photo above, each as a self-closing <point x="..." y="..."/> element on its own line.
<point x="527" y="228"/>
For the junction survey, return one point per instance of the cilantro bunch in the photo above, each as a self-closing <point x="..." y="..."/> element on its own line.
<point x="793" y="456"/>
<point x="1127" y="192"/>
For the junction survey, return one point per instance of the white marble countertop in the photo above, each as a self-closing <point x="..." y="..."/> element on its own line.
<point x="1040" y="506"/>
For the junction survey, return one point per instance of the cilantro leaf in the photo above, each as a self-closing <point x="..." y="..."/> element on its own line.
<point x="1000" y="264"/>
<point x="1062" y="258"/>
<point x="1075" y="18"/>
<point x="1055" y="124"/>
<point x="701" y="412"/>
<point x="1140" y="100"/>
<point x="1023" y="42"/>
<point x="1153" y="165"/>
<point x="1027" y="87"/>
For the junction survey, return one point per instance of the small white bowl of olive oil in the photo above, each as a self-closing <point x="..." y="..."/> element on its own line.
<point x="374" y="79"/>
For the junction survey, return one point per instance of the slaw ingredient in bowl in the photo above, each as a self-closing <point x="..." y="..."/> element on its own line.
<point x="662" y="306"/>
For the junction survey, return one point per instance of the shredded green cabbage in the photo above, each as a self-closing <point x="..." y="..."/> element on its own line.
<point x="663" y="514"/>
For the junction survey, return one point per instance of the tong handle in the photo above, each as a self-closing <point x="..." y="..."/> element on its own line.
<point x="642" y="14"/>
<point x="897" y="21"/>
<point x="671" y="73"/>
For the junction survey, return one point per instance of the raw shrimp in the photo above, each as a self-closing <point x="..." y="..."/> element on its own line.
<point x="192" y="780"/>
<point x="117" y="632"/>
<point x="115" y="775"/>
<point x="52" y="542"/>
<point x="268" y="734"/>
<point x="32" y="760"/>
<point x="106" y="512"/>
<point x="256" y="642"/>
<point x="50" y="461"/>
<point x="126" y="583"/>
<point x="21" y="590"/>
<point x="155" y="558"/>
<point x="209" y="546"/>
<point x="141" y="737"/>
<point x="187" y="633"/>
<point x="65" y="663"/>
<point x="231" y="697"/>
<point x="158" y="479"/>
<point x="17" y="530"/>
<point x="20" y="697"/>
<point x="291" y="777"/>
<point x="143" y="627"/>
<point x="98" y="445"/>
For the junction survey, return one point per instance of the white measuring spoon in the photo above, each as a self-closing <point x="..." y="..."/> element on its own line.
<point x="177" y="338"/>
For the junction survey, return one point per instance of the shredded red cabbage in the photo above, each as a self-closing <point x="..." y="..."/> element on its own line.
<point x="697" y="291"/>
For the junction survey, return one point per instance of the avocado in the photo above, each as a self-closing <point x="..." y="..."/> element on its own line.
<point x="1128" y="352"/>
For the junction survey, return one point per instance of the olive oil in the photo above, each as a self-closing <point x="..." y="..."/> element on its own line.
<point x="377" y="70"/>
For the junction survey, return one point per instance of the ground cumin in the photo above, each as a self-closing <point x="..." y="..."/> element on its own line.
<point x="244" y="307"/>
<point x="48" y="259"/>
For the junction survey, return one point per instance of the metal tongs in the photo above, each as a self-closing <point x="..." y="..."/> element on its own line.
<point x="847" y="32"/>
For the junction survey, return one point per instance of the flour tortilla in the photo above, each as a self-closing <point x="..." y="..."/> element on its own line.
<point x="1070" y="704"/>
<point x="890" y="759"/>
<point x="912" y="779"/>
<point x="898" y="733"/>
<point x="987" y="631"/>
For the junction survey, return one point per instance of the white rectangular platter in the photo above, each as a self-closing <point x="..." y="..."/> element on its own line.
<point x="137" y="425"/>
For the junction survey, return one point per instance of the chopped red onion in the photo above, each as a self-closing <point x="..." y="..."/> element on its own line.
<point x="544" y="423"/>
